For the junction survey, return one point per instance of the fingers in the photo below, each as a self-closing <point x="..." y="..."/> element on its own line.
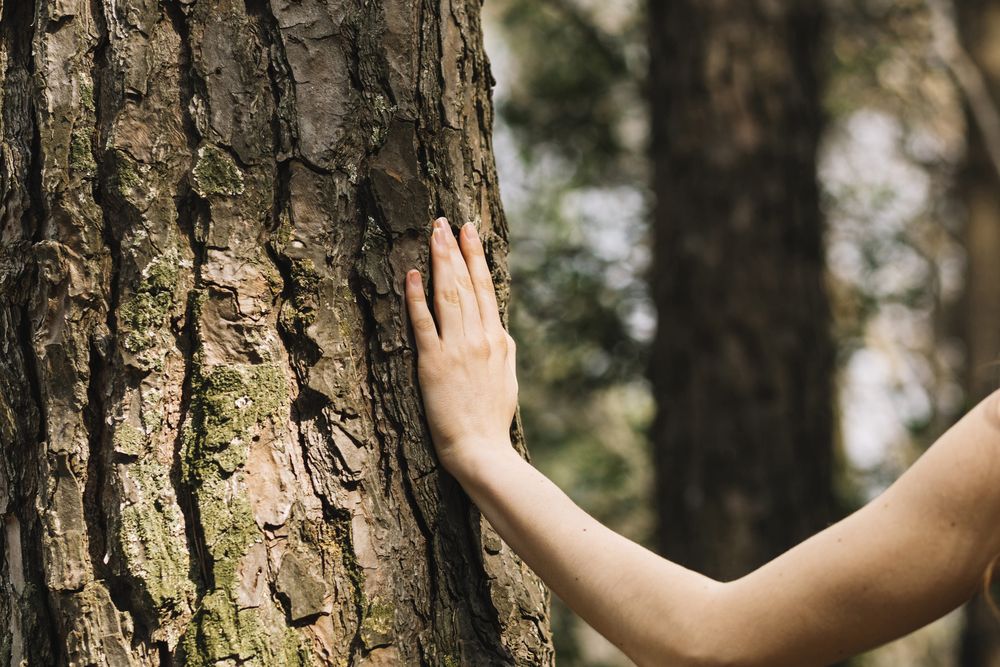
<point x="447" y="302"/>
<point x="482" y="281"/>
<point x="471" y="322"/>
<point x="464" y="301"/>
<point x="424" y="329"/>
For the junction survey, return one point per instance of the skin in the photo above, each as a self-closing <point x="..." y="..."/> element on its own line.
<point x="911" y="555"/>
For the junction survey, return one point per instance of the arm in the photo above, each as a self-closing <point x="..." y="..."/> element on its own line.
<point x="909" y="556"/>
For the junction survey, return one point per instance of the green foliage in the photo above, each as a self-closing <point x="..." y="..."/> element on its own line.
<point x="576" y="85"/>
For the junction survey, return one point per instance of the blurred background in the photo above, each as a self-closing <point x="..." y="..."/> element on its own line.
<point x="805" y="196"/>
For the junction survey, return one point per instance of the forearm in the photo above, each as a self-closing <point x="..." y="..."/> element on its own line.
<point x="916" y="552"/>
<point x="908" y="557"/>
<point x="647" y="606"/>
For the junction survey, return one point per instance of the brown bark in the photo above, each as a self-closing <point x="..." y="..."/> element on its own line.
<point x="743" y="359"/>
<point x="979" y="188"/>
<point x="213" y="450"/>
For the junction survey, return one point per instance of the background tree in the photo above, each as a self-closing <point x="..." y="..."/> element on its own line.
<point x="213" y="449"/>
<point x="742" y="362"/>
<point x="979" y="189"/>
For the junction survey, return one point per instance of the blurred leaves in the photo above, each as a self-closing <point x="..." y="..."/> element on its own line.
<point x="576" y="92"/>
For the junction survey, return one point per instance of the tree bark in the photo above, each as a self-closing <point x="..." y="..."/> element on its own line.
<point x="742" y="361"/>
<point x="979" y="189"/>
<point x="213" y="449"/>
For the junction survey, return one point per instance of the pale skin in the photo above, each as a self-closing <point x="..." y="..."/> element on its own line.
<point x="909" y="556"/>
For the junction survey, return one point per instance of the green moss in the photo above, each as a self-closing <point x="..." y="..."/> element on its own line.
<point x="304" y="275"/>
<point x="216" y="173"/>
<point x="232" y="399"/>
<point x="228" y="403"/>
<point x="377" y="625"/>
<point x="282" y="236"/>
<point x="143" y="316"/>
<point x="220" y="631"/>
<point x="81" y="153"/>
<point x="152" y="410"/>
<point x="300" y="310"/>
<point x="152" y="536"/>
<point x="126" y="173"/>
<point x="128" y="440"/>
<point x="229" y="530"/>
<point x="87" y="95"/>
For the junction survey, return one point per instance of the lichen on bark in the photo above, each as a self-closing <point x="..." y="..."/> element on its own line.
<point x="143" y="314"/>
<point x="152" y="533"/>
<point x="229" y="405"/>
<point x="215" y="173"/>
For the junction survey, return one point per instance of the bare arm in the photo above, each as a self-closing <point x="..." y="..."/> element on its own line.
<point x="911" y="555"/>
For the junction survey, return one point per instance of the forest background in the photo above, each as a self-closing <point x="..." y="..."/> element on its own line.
<point x="911" y="245"/>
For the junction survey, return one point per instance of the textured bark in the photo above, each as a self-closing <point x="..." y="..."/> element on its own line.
<point x="979" y="187"/>
<point x="742" y="361"/>
<point x="213" y="450"/>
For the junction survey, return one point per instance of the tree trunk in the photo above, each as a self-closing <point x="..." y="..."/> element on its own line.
<point x="213" y="449"/>
<point x="979" y="188"/>
<point x="743" y="358"/>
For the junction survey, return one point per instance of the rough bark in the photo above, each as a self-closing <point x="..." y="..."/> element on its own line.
<point x="743" y="359"/>
<point x="213" y="450"/>
<point x="979" y="188"/>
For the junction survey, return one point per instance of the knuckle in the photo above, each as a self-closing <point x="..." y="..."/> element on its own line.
<point x="480" y="347"/>
<point x="464" y="282"/>
<point x="499" y="341"/>
<point x="485" y="284"/>
<point x="449" y="295"/>
<point x="423" y="324"/>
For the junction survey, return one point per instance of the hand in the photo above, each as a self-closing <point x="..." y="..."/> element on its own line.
<point x="465" y="360"/>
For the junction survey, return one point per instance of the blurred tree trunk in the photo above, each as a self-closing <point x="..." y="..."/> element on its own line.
<point x="213" y="451"/>
<point x="979" y="188"/>
<point x="743" y="359"/>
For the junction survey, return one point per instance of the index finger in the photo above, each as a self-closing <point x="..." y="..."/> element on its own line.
<point x="482" y="281"/>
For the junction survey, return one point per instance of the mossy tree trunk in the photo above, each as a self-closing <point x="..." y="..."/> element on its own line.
<point x="743" y="358"/>
<point x="979" y="189"/>
<point x="212" y="449"/>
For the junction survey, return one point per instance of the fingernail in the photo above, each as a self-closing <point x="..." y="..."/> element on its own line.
<point x="413" y="277"/>
<point x="470" y="230"/>
<point x="437" y="236"/>
<point x="441" y="223"/>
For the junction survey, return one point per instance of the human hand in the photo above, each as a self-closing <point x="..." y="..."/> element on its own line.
<point x="465" y="358"/>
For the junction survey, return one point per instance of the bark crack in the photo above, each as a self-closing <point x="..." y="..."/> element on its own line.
<point x="189" y="211"/>
<point x="281" y="90"/>
<point x="20" y="116"/>
<point x="101" y="350"/>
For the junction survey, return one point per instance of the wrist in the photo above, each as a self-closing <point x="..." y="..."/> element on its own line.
<point x="471" y="462"/>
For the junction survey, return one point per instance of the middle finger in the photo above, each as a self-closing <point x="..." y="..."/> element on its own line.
<point x="471" y="321"/>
